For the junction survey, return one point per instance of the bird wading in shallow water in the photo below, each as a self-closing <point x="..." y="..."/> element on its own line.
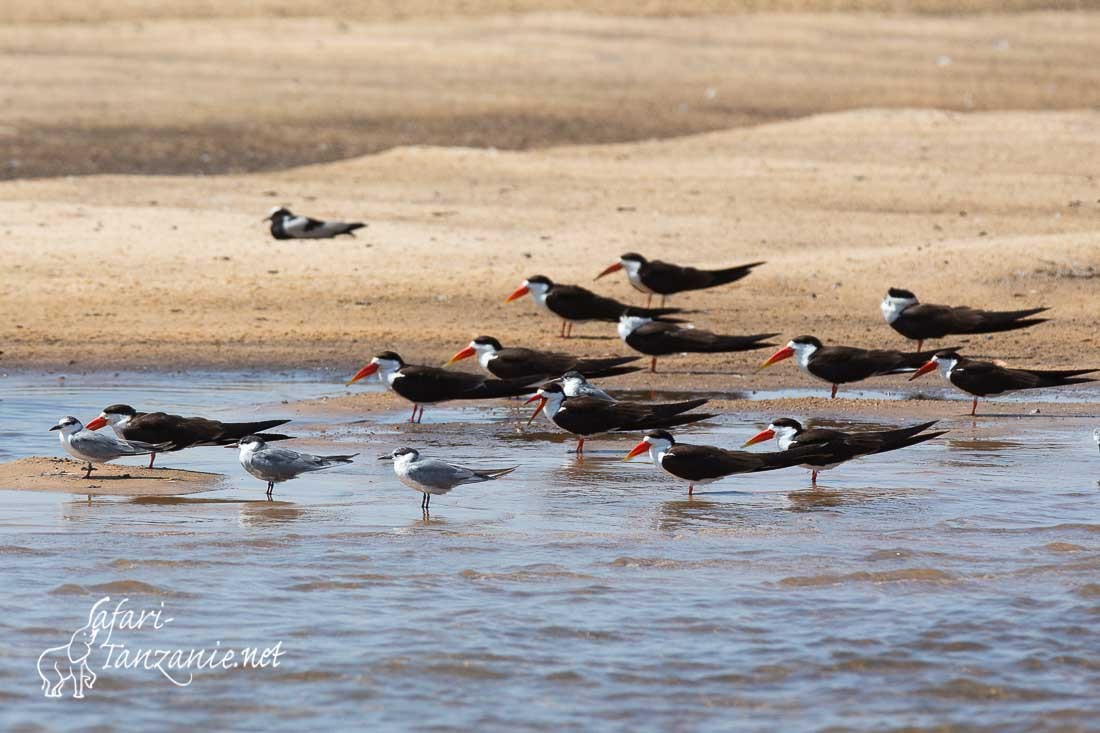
<point x="431" y="476"/>
<point x="586" y="416"/>
<point x="703" y="464"/>
<point x="984" y="378"/>
<point x="425" y="385"/>
<point x="276" y="465"/>
<point x="837" y="447"/>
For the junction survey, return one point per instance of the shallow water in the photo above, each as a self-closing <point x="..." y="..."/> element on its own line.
<point x="953" y="583"/>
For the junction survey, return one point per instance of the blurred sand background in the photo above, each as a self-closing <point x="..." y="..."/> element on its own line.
<point x="872" y="145"/>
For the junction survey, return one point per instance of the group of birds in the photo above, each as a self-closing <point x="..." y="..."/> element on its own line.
<point x="562" y="392"/>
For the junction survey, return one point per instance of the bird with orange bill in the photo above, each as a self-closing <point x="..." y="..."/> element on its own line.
<point x="425" y="385"/>
<point x="514" y="362"/>
<point x="985" y="378"/>
<point x="654" y="277"/>
<point x="574" y="304"/>
<point x="587" y="416"/>
<point x="836" y="446"/>
<point x="704" y="464"/>
<point x="838" y="365"/>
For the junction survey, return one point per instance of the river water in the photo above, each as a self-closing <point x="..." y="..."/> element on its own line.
<point x="953" y="585"/>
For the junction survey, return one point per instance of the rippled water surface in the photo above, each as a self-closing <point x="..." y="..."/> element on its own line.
<point x="956" y="583"/>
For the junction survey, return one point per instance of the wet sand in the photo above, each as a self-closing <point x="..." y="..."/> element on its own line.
<point x="67" y="476"/>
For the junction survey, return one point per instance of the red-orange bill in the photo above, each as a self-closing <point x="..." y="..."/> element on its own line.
<point x="366" y="371"/>
<point x="519" y="292"/>
<point x="610" y="269"/>
<point x="925" y="368"/>
<point x="785" y="353"/>
<point x="760" y="437"/>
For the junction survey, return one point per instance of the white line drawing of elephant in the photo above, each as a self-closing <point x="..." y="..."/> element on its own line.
<point x="69" y="662"/>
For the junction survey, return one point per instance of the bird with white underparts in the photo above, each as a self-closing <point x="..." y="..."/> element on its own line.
<point x="432" y="477"/>
<point x="276" y="465"/>
<point x="287" y="225"/>
<point x="92" y="447"/>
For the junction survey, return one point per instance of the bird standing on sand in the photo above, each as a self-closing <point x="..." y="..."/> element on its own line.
<point x="663" y="278"/>
<point x="431" y="476"/>
<point x="585" y="416"/>
<point x="984" y="378"/>
<point x="843" y="364"/>
<point x="573" y="303"/>
<point x="514" y="362"/>
<point x="92" y="447"/>
<point x="839" y="447"/>
<point x="179" y="432"/>
<point x="276" y="465"/>
<point x="286" y="225"/>
<point x="660" y="338"/>
<point x="703" y="464"/>
<point x="423" y="385"/>
<point x="922" y="321"/>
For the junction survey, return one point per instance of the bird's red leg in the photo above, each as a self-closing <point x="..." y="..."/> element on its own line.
<point x="813" y="479"/>
<point x="152" y="457"/>
<point x="974" y="407"/>
<point x="691" y="489"/>
<point x="412" y="418"/>
<point x="569" y="330"/>
<point x="920" y="343"/>
<point x="653" y="365"/>
<point x="562" y="334"/>
<point x="663" y="301"/>
<point x="833" y="397"/>
<point x="648" y="299"/>
<point x="421" y="418"/>
<point x="580" y="446"/>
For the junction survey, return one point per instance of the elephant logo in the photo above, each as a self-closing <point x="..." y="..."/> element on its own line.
<point x="60" y="664"/>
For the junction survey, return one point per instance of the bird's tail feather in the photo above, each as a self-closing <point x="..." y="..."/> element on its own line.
<point x="491" y="473"/>
<point x="732" y="274"/>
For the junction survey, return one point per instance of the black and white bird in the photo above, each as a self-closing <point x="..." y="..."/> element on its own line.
<point x="586" y="416"/>
<point x="286" y="225"/>
<point x="922" y="321"/>
<point x="1096" y="437"/>
<point x="838" y="365"/>
<point x="179" y="432"/>
<point x="276" y="465"/>
<point x="92" y="447"/>
<point x="659" y="338"/>
<point x="431" y="476"/>
<point x="573" y="303"/>
<point x="837" y="446"/>
<point x="425" y="385"/>
<point x="575" y="385"/>
<point x="664" y="279"/>
<point x="515" y="362"/>
<point x="985" y="378"/>
<point x="704" y="464"/>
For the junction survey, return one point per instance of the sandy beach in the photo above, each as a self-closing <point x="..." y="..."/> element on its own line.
<point x="994" y="207"/>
